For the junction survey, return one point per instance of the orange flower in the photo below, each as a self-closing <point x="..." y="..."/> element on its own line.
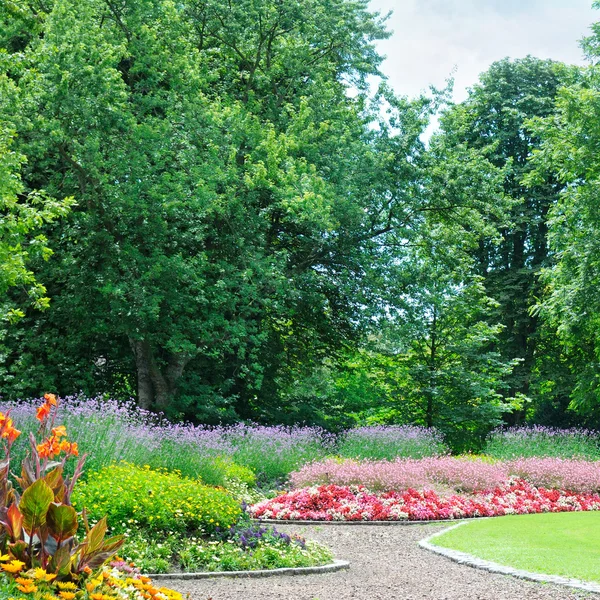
<point x="69" y="448"/>
<point x="49" y="448"/>
<point x="50" y="399"/>
<point x="29" y="588"/>
<point x="66" y="595"/>
<point x="43" y="411"/>
<point x="59" y="431"/>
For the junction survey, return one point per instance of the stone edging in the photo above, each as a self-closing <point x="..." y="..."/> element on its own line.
<point x="406" y="522"/>
<point x="336" y="565"/>
<point x="472" y="561"/>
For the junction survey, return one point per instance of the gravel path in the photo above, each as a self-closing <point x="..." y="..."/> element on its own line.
<point x="386" y="564"/>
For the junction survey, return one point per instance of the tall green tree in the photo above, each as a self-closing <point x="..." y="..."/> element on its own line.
<point x="493" y="122"/>
<point x="570" y="303"/>
<point x="232" y="196"/>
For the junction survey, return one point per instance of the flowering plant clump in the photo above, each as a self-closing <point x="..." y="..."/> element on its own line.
<point x="543" y="442"/>
<point x="377" y="442"/>
<point x="154" y="500"/>
<point x="344" y="503"/>
<point x="251" y="547"/>
<point x="464" y="475"/>
<point x="40" y="553"/>
<point x="108" y="583"/>
<point x="113" y="432"/>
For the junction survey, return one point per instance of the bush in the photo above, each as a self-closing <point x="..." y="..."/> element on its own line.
<point x="244" y="547"/>
<point x="251" y="548"/>
<point x="155" y="501"/>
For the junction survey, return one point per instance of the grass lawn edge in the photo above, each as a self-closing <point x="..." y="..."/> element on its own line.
<point x="470" y="560"/>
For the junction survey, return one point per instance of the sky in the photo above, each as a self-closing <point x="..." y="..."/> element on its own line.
<point x="431" y="38"/>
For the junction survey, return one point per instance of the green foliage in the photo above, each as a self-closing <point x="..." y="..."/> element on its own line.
<point x="193" y="553"/>
<point x="155" y="501"/>
<point x="268" y="554"/>
<point x="233" y="199"/>
<point x="22" y="216"/>
<point x="492" y="122"/>
<point x="570" y="303"/>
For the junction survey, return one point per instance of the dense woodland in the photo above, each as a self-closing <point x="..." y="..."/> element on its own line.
<point x="221" y="209"/>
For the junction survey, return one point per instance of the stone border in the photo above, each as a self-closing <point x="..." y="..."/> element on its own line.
<point x="382" y="523"/>
<point x="336" y="565"/>
<point x="464" y="558"/>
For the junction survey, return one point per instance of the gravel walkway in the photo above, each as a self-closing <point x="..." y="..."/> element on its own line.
<point x="386" y="564"/>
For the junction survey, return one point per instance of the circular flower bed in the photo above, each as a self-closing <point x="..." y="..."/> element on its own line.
<point x="349" y="503"/>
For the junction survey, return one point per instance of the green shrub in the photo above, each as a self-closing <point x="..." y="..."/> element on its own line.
<point x="155" y="501"/>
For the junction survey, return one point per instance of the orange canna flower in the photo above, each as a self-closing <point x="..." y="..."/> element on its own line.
<point x="50" y="399"/>
<point x="59" y="431"/>
<point x="69" y="448"/>
<point x="42" y="412"/>
<point x="11" y="434"/>
<point x="49" y="448"/>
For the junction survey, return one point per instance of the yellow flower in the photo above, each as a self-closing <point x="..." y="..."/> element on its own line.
<point x="14" y="566"/>
<point x="66" y="585"/>
<point x="41" y="575"/>
<point x="66" y="595"/>
<point x="93" y="584"/>
<point x="4" y="557"/>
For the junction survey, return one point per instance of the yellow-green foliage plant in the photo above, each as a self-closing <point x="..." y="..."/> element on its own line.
<point x="155" y="500"/>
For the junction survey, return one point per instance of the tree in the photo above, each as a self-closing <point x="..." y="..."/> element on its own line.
<point x="570" y="303"/>
<point x="21" y="217"/>
<point x="493" y="122"/>
<point x="231" y="195"/>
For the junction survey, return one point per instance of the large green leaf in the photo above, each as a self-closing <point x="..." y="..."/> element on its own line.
<point x="61" y="521"/>
<point x="34" y="505"/>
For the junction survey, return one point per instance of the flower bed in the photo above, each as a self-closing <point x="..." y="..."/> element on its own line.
<point x="344" y="503"/>
<point x="459" y="474"/>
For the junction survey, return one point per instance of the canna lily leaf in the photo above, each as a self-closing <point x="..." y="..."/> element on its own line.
<point x="34" y="505"/>
<point x="61" y="521"/>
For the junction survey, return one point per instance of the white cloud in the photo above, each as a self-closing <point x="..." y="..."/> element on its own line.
<point x="431" y="37"/>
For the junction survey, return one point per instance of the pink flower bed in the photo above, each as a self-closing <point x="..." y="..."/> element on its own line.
<point x="460" y="474"/>
<point x="342" y="503"/>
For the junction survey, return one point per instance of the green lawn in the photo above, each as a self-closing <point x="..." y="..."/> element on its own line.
<point x="566" y="544"/>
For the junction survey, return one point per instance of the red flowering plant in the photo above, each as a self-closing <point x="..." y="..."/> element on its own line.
<point x="356" y="503"/>
<point x="38" y="527"/>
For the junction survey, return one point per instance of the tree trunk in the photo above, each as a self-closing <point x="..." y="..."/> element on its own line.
<point x="145" y="389"/>
<point x="156" y="388"/>
<point x="432" y="370"/>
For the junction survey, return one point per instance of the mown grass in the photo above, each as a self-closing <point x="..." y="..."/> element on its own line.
<point x="566" y="544"/>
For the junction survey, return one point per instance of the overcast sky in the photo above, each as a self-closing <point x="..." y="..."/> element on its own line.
<point x="431" y="37"/>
